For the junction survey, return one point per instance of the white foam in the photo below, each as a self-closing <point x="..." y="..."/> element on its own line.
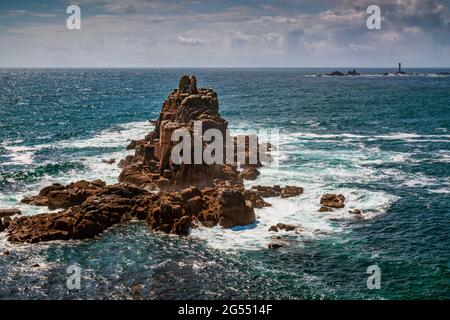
<point x="410" y="137"/>
<point x="301" y="211"/>
<point x="96" y="168"/>
<point x="19" y="155"/>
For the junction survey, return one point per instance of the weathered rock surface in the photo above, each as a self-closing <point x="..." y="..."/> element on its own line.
<point x="256" y="200"/>
<point x="267" y="192"/>
<point x="291" y="191"/>
<point x="249" y="173"/>
<point x="277" y="191"/>
<point x="58" y="196"/>
<point x="9" y="212"/>
<point x="111" y="205"/>
<point x="173" y="212"/>
<point x="152" y="161"/>
<point x="333" y="200"/>
<point x="283" y="226"/>
<point x="4" y="223"/>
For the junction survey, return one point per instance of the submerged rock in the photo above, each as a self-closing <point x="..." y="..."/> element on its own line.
<point x="357" y="212"/>
<point x="283" y="226"/>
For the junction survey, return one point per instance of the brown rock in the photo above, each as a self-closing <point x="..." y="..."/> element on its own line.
<point x="134" y="174"/>
<point x="291" y="191"/>
<point x="256" y="200"/>
<point x="333" y="200"/>
<point x="162" y="183"/>
<point x="107" y="207"/>
<point x="168" y="174"/>
<point x="277" y="191"/>
<point x="110" y="161"/>
<point x="249" y="173"/>
<point x="275" y="245"/>
<point x="325" y="209"/>
<point x="9" y="212"/>
<point x="283" y="226"/>
<point x="58" y="196"/>
<point x="234" y="210"/>
<point x="189" y="193"/>
<point x="267" y="192"/>
<point x="182" y="226"/>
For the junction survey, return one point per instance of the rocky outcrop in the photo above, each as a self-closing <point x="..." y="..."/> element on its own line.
<point x="58" y="196"/>
<point x="291" y="191"/>
<point x="169" y="212"/>
<point x="174" y="212"/>
<point x="336" y="73"/>
<point x="170" y="197"/>
<point x="349" y="73"/>
<point x="283" y="226"/>
<point x="152" y="162"/>
<point x="257" y="201"/>
<point x="111" y="205"/>
<point x="249" y="173"/>
<point x="277" y="191"/>
<point x="9" y="212"/>
<point x="353" y="73"/>
<point x="331" y="200"/>
<point x="4" y="223"/>
<point x="325" y="209"/>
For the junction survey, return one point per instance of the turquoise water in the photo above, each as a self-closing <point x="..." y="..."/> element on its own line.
<point x="382" y="141"/>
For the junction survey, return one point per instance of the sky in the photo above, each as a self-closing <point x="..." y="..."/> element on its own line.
<point x="224" y="33"/>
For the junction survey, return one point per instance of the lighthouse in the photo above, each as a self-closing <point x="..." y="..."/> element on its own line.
<point x="400" y="71"/>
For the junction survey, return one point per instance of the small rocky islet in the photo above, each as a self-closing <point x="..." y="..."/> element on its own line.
<point x="170" y="198"/>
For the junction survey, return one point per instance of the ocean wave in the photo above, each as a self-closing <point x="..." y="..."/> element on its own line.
<point x="390" y="74"/>
<point x="301" y="211"/>
<point x="410" y="137"/>
<point x="35" y="176"/>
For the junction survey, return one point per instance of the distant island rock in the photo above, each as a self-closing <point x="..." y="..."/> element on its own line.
<point x="339" y="74"/>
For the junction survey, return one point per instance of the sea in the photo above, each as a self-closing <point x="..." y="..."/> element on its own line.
<point x="383" y="141"/>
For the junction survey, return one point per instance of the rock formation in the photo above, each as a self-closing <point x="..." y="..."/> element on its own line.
<point x="152" y="163"/>
<point x="58" y="196"/>
<point x="277" y="191"/>
<point x="170" y="197"/>
<point x="9" y="212"/>
<point x="331" y="200"/>
<point x="111" y="205"/>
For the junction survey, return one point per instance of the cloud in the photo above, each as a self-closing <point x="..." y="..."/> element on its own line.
<point x="189" y="41"/>
<point x="15" y="13"/>
<point x="140" y="33"/>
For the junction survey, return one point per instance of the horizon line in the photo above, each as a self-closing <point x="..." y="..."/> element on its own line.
<point x="221" y="67"/>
